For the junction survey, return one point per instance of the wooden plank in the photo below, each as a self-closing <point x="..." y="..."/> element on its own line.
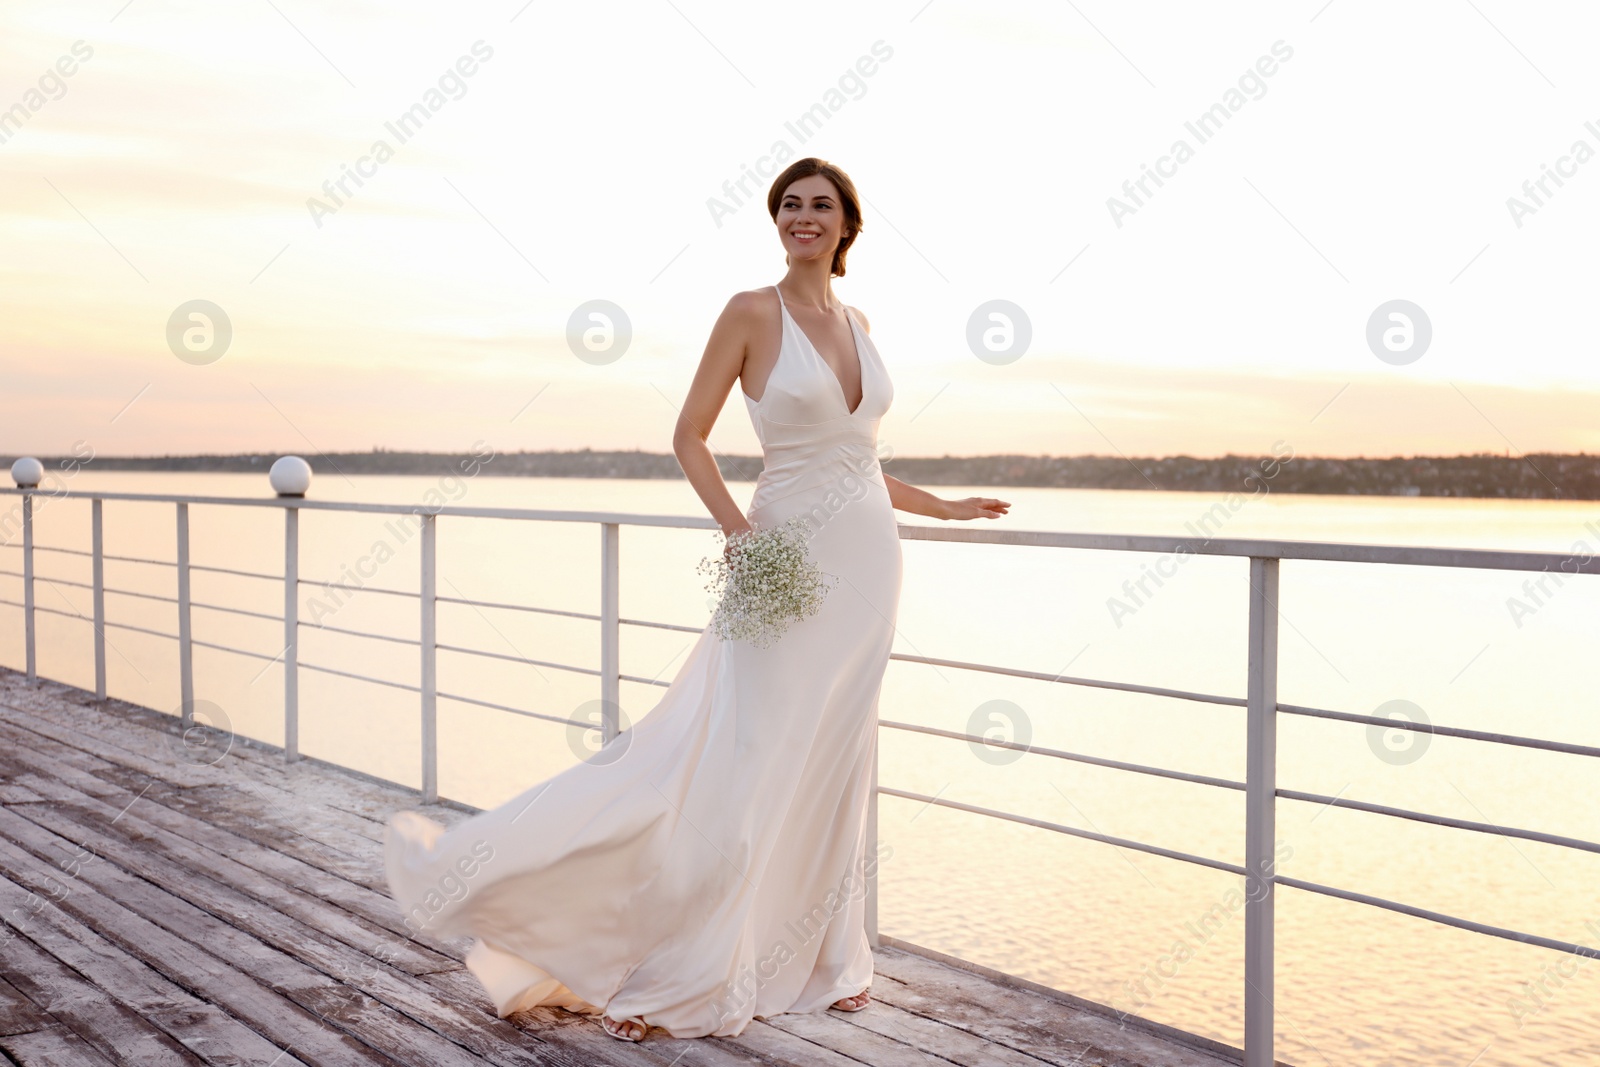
<point x="12" y="792"/>
<point x="855" y="1042"/>
<point x="351" y="852"/>
<point x="121" y="748"/>
<point x="142" y="731"/>
<point x="887" y="1036"/>
<point x="111" y="1027"/>
<point x="779" y="1046"/>
<point x="75" y="727"/>
<point x="583" y="1035"/>
<point x="461" y="1018"/>
<point x="375" y="908"/>
<point x="285" y="1021"/>
<point x="1022" y="1020"/>
<point x="217" y="915"/>
<point x="289" y="898"/>
<point x="18" y="1014"/>
<point x="103" y="778"/>
<point x="56" y="1047"/>
<point x="194" y="1023"/>
<point x="309" y="839"/>
<point x="359" y="796"/>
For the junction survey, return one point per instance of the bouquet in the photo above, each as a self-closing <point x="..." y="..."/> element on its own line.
<point x="765" y="582"/>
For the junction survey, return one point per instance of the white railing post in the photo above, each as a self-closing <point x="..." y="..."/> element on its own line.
<point x="1260" y="798"/>
<point x="610" y="632"/>
<point x="27" y="583"/>
<point x="430" y="665"/>
<point x="99" y="549"/>
<point x="185" y="637"/>
<point x="291" y="633"/>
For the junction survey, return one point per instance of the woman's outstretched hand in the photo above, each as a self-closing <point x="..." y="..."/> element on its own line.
<point x="976" y="507"/>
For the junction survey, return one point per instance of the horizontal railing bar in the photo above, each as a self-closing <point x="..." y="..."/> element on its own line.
<point x="139" y="629"/>
<point x="13" y="574"/>
<point x="1440" y="917"/>
<point x="303" y="504"/>
<point x="358" y="677"/>
<point x="1319" y="551"/>
<point x="516" y="607"/>
<point x="515" y="659"/>
<point x="1443" y="731"/>
<point x="237" y="651"/>
<point x="358" y="588"/>
<point x="1154" y="850"/>
<point x="142" y="596"/>
<point x="136" y="559"/>
<point x="663" y="683"/>
<point x="13" y="603"/>
<point x="1097" y="761"/>
<point x="62" y="581"/>
<point x="58" y="611"/>
<point x="120" y="559"/>
<point x="230" y="570"/>
<point x="1093" y="683"/>
<point x="357" y="633"/>
<point x="678" y="627"/>
<point x="515" y="711"/>
<point x="237" y="611"/>
<point x="1442" y="820"/>
<point x="1488" y="559"/>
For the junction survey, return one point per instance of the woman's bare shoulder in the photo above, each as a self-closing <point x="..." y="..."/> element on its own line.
<point x="865" y="325"/>
<point x="753" y="301"/>
<point x="751" y="310"/>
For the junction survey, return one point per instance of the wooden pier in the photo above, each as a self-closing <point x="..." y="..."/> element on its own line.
<point x="159" y="909"/>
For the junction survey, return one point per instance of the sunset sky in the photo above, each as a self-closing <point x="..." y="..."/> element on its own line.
<point x="427" y="306"/>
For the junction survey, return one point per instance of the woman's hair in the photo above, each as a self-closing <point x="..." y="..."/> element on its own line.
<point x="848" y="201"/>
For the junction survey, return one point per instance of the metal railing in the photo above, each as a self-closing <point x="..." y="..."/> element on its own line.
<point x="1260" y="701"/>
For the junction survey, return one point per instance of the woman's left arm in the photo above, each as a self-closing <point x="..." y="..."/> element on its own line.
<point x="906" y="497"/>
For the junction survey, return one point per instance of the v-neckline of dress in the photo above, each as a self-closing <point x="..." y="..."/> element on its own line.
<point x="861" y="368"/>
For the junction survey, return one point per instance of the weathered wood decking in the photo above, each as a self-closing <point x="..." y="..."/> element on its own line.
<point x="162" y="911"/>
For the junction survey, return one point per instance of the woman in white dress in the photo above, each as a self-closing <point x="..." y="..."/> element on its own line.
<point x="708" y="865"/>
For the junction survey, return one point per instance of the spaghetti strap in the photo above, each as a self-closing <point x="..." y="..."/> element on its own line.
<point x="781" y="304"/>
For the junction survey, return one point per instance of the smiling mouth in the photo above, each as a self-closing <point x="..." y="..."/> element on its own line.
<point x="805" y="238"/>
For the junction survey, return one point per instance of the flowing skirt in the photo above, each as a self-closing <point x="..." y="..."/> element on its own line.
<point x="709" y="865"/>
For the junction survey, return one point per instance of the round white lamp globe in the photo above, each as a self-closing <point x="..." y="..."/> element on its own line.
<point x="290" y="476"/>
<point x="27" y="472"/>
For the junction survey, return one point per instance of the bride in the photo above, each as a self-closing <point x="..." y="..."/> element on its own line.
<point x="708" y="865"/>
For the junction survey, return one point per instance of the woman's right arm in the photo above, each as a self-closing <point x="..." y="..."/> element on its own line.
<point x="719" y="369"/>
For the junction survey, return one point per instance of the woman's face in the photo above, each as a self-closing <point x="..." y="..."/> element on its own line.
<point x="810" y="220"/>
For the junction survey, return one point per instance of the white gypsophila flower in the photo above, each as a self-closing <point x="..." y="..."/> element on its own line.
<point x="765" y="582"/>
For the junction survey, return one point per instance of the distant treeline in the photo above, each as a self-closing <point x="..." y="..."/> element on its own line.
<point x="1543" y="476"/>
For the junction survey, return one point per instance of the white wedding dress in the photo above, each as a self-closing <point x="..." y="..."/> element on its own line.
<point x="707" y="865"/>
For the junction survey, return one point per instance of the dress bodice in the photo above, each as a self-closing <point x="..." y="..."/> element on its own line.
<point x="809" y="436"/>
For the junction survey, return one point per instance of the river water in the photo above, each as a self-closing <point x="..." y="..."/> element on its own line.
<point x="1147" y="935"/>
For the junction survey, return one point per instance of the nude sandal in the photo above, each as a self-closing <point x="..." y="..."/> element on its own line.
<point x="861" y="1007"/>
<point x="623" y="1031"/>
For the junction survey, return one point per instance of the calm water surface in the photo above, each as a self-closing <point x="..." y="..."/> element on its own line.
<point x="1147" y="935"/>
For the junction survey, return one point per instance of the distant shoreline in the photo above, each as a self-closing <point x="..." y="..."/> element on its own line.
<point x="1532" y="477"/>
